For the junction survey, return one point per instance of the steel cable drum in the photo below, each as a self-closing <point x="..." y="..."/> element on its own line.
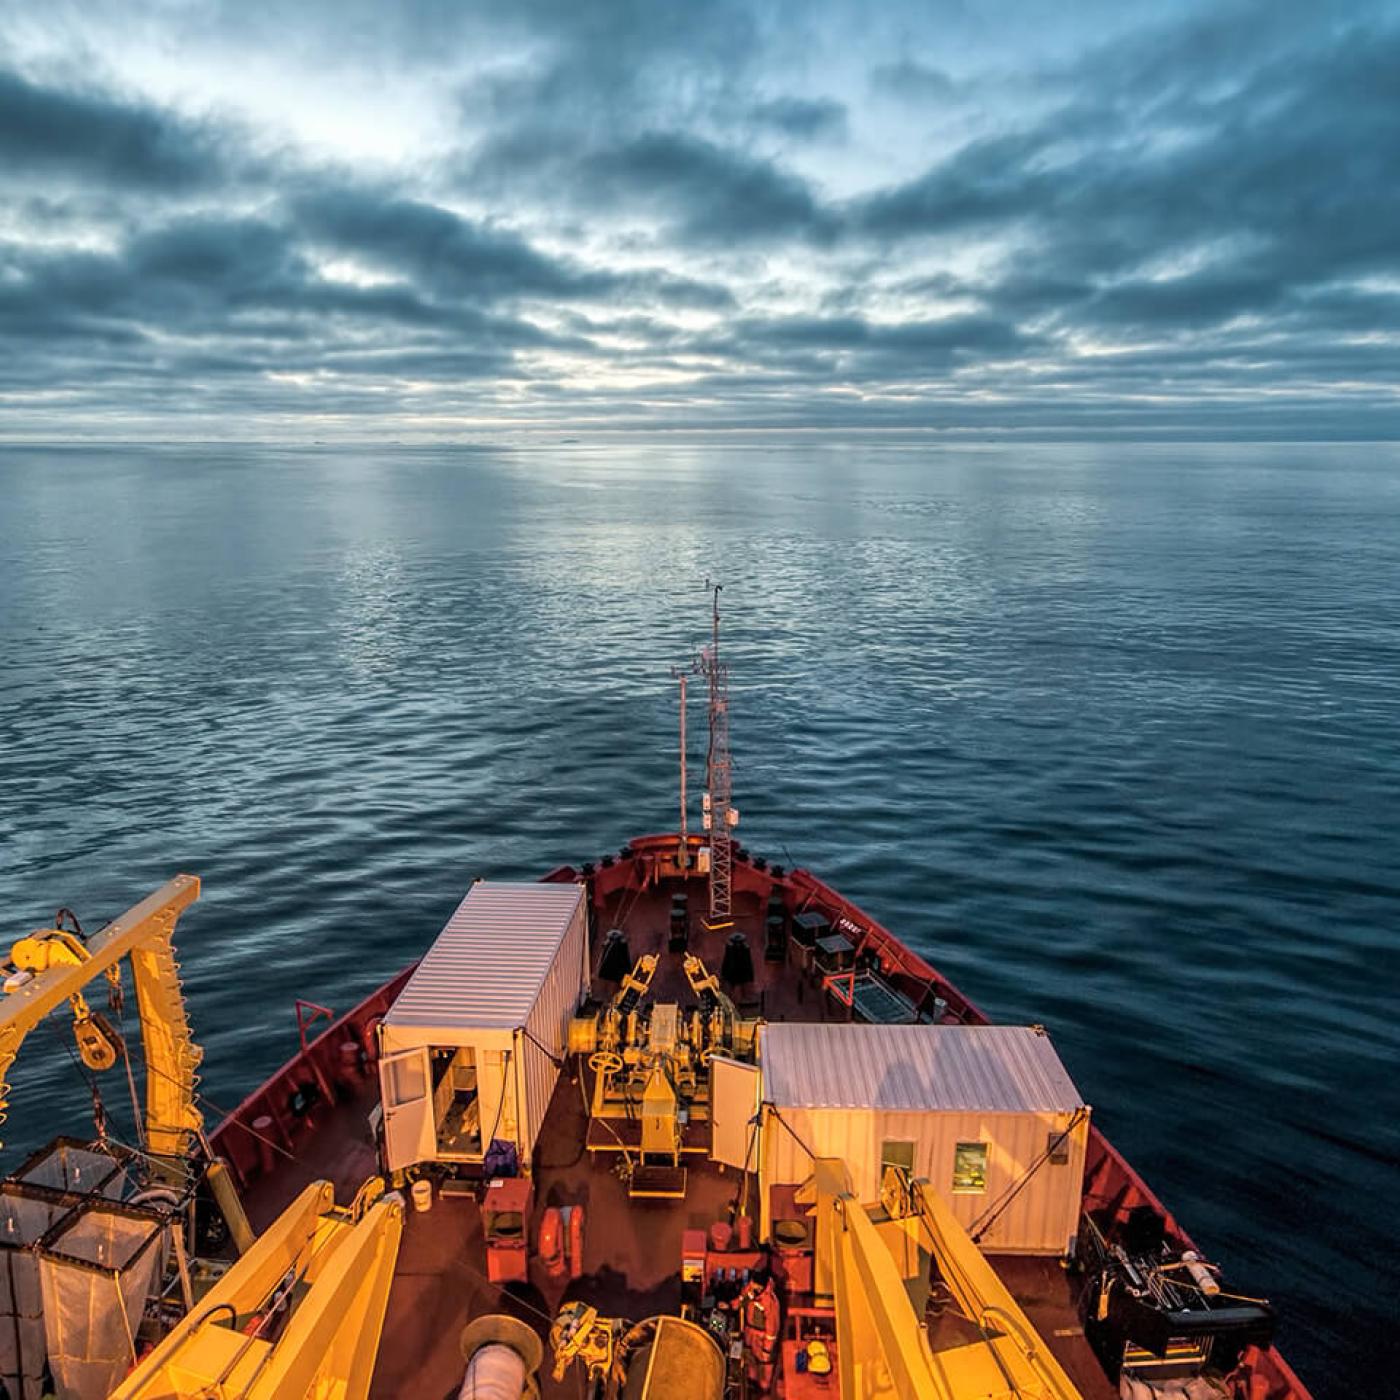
<point x="667" y="1358"/>
<point x="502" y="1355"/>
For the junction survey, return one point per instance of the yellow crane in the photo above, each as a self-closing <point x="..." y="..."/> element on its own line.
<point x="298" y="1317"/>
<point x="883" y="1347"/>
<point x="52" y="966"/>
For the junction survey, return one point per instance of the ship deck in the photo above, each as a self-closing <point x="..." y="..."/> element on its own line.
<point x="632" y="1249"/>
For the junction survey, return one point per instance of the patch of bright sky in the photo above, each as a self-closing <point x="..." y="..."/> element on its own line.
<point x="346" y="110"/>
<point x="351" y="273"/>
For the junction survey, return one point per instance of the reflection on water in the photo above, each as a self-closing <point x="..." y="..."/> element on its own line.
<point x="1111" y="733"/>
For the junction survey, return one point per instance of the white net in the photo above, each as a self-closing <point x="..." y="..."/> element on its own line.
<point x="23" y="1222"/>
<point x="96" y="1273"/>
<point x="68" y="1166"/>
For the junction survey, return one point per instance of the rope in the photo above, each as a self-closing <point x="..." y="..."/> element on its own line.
<point x="205" y="1101"/>
<point x="99" y="1109"/>
<point x="495" y="1372"/>
<point x="117" y="1002"/>
<point x="628" y="904"/>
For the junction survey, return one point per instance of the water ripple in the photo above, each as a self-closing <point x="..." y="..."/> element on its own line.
<point x="1110" y="732"/>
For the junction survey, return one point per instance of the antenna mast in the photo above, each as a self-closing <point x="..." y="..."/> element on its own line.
<point x="719" y="816"/>
<point x="683" y="855"/>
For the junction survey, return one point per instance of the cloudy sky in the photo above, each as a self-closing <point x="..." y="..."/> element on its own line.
<point x="425" y="217"/>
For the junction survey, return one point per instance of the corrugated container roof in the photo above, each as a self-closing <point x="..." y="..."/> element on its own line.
<point x="487" y="966"/>
<point x="987" y="1069"/>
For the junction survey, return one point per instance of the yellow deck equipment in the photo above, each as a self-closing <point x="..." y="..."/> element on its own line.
<point x="298" y="1317"/>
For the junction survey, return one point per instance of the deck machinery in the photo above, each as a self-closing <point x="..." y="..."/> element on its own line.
<point x="650" y="1062"/>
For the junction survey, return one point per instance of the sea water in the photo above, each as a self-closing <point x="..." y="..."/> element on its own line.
<point x="1110" y="733"/>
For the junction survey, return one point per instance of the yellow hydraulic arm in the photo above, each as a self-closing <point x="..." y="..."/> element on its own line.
<point x="51" y="967"/>
<point x="883" y="1345"/>
<point x="329" y="1270"/>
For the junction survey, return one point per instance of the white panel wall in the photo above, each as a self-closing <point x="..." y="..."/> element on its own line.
<point x="564" y="988"/>
<point x="1039" y="1220"/>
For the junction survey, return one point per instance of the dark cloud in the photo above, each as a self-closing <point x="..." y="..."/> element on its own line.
<point x="699" y="191"/>
<point x="458" y="257"/>
<point x="1150" y="231"/>
<point x="96" y="136"/>
<point x="1178" y="209"/>
<point x="803" y="119"/>
<point x="241" y="297"/>
<point x="711" y="193"/>
<point x="989" y="183"/>
<point x="908" y="78"/>
<point x="435" y="246"/>
<point x="914" y="347"/>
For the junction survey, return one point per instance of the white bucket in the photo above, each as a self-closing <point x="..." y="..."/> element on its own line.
<point x="423" y="1195"/>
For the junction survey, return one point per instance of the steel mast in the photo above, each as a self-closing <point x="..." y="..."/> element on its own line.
<point x="719" y="816"/>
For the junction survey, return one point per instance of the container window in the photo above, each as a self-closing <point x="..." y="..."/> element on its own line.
<point x="970" y="1168"/>
<point x="897" y="1154"/>
<point x="407" y="1081"/>
<point x="1057" y="1149"/>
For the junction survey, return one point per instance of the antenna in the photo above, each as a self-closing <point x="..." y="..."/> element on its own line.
<point x="719" y="816"/>
<point x="683" y="855"/>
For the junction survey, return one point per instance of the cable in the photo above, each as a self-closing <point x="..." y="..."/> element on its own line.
<point x="269" y="1303"/>
<point x="590" y="1119"/>
<point x="773" y="1110"/>
<point x="500" y="1104"/>
<point x="988" y="1218"/>
<point x="117" y="1002"/>
<point x="99" y="1109"/>
<point x="501" y="1292"/>
<point x="548" y="1054"/>
<point x="205" y="1101"/>
<point x="741" y="1195"/>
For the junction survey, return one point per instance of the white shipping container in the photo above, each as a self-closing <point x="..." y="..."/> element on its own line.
<point x="465" y="1050"/>
<point x="971" y="1108"/>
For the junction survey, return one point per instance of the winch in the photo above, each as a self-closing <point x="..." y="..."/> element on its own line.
<point x="650" y="1059"/>
<point x="1157" y="1313"/>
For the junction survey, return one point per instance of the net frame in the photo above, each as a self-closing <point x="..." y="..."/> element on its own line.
<point x="78" y="1266"/>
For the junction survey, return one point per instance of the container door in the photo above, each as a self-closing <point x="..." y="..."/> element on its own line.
<point x="734" y="1094"/>
<point x="408" y="1116"/>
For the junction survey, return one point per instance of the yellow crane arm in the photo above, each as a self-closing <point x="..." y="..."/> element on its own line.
<point x="883" y="1344"/>
<point x="339" y="1270"/>
<point x="144" y="934"/>
<point x="981" y="1295"/>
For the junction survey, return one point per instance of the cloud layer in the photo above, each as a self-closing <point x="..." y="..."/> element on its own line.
<point x="702" y="216"/>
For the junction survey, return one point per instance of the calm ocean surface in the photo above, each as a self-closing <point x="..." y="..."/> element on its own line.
<point x="1111" y="733"/>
